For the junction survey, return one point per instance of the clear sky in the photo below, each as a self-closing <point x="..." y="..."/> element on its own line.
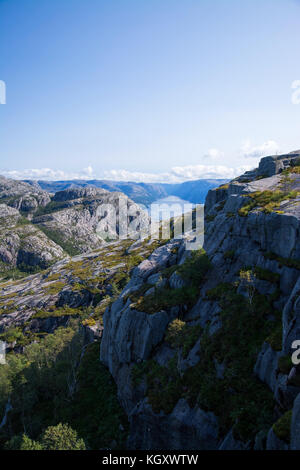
<point x="146" y="89"/>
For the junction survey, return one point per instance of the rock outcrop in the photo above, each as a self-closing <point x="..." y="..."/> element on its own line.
<point x="206" y="353"/>
<point x="81" y="219"/>
<point x="36" y="230"/>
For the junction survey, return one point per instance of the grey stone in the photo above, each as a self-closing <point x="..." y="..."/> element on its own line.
<point x="295" y="428"/>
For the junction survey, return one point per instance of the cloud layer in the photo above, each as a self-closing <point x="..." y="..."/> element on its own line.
<point x="213" y="168"/>
<point x="177" y="174"/>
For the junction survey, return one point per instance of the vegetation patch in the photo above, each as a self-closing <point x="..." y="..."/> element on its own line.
<point x="266" y="275"/>
<point x="289" y="262"/>
<point x="180" y="335"/>
<point x="275" y="338"/>
<point x="285" y="364"/>
<point x="58" y="312"/>
<point x="266" y="201"/>
<point x="55" y="288"/>
<point x="69" y="245"/>
<point x="236" y="345"/>
<point x="282" y="427"/>
<point x="229" y="254"/>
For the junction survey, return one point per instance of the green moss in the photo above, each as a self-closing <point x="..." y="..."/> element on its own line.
<point x="58" y="312"/>
<point x="282" y="427"/>
<point x="55" y="288"/>
<point x="267" y="201"/>
<point x="54" y="277"/>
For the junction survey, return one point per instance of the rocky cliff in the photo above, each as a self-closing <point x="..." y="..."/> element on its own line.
<point x="199" y="343"/>
<point x="37" y="230"/>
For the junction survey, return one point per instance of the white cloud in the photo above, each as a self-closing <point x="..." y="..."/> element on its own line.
<point x="213" y="154"/>
<point x="215" y="169"/>
<point x="267" y="148"/>
<point x="49" y="174"/>
<point x="178" y="174"/>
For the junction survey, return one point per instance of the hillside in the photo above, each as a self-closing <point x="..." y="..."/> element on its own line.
<point x="36" y="230"/>
<point x="141" y="193"/>
<point x="199" y="343"/>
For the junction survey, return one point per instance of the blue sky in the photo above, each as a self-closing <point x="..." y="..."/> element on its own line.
<point x="153" y="90"/>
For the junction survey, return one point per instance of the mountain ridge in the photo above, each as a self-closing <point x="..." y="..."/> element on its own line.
<point x="142" y="193"/>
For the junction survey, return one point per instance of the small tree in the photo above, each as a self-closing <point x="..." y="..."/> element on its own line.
<point x="248" y="279"/>
<point x="61" y="437"/>
<point x="23" y="443"/>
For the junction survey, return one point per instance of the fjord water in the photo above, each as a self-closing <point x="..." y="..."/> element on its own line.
<point x="170" y="206"/>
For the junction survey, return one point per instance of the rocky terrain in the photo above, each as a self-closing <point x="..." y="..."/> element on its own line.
<point x="36" y="230"/>
<point x="199" y="342"/>
<point x="22" y="196"/>
<point x="78" y="287"/>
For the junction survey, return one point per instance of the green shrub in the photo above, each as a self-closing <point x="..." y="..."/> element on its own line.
<point x="275" y="338"/>
<point x="181" y="335"/>
<point x="61" y="437"/>
<point x="289" y="262"/>
<point x="284" y="364"/>
<point x="229" y="254"/>
<point x="282" y="427"/>
<point x="236" y="397"/>
<point x="68" y="245"/>
<point x="266" y="275"/>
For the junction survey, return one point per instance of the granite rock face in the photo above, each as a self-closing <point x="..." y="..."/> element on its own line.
<point x="295" y="428"/>
<point x="22" y="196"/>
<point x="264" y="239"/>
<point x="37" y="229"/>
<point x="22" y="244"/>
<point x="86" y="217"/>
<point x="184" y="428"/>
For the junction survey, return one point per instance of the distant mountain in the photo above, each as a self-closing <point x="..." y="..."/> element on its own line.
<point x="37" y="229"/>
<point x="141" y="193"/>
